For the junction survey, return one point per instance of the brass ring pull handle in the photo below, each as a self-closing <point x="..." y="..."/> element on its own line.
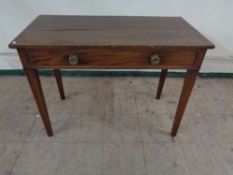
<point x="155" y="59"/>
<point x="73" y="59"/>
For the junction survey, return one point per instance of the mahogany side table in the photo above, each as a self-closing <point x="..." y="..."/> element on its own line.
<point x="110" y="42"/>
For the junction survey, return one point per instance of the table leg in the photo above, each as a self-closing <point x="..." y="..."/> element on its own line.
<point x="185" y="94"/>
<point x="34" y="82"/>
<point x="57" y="74"/>
<point x="163" y="76"/>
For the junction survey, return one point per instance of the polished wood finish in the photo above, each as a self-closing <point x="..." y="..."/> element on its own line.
<point x="163" y="76"/>
<point x="110" y="42"/>
<point x="184" y="97"/>
<point x="35" y="85"/>
<point x="34" y="82"/>
<point x="110" y="31"/>
<point x="110" y="58"/>
<point x="57" y="74"/>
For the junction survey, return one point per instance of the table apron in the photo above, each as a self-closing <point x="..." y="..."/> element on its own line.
<point x="111" y="58"/>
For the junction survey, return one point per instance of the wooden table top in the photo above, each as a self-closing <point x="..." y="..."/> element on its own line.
<point x="109" y="31"/>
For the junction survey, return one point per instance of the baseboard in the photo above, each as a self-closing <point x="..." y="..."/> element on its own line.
<point x="112" y="73"/>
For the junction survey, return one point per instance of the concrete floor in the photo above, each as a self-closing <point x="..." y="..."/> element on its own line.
<point x="113" y="125"/>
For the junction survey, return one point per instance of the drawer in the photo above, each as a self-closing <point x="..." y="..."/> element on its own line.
<point x="110" y="58"/>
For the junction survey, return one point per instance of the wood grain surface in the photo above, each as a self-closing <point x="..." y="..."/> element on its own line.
<point x="109" y="31"/>
<point x="109" y="58"/>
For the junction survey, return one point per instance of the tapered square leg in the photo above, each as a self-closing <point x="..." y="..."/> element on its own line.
<point x="34" y="82"/>
<point x="163" y="76"/>
<point x="184" y="97"/>
<point x="57" y="74"/>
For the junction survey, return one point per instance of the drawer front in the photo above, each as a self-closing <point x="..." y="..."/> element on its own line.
<point x="110" y="58"/>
